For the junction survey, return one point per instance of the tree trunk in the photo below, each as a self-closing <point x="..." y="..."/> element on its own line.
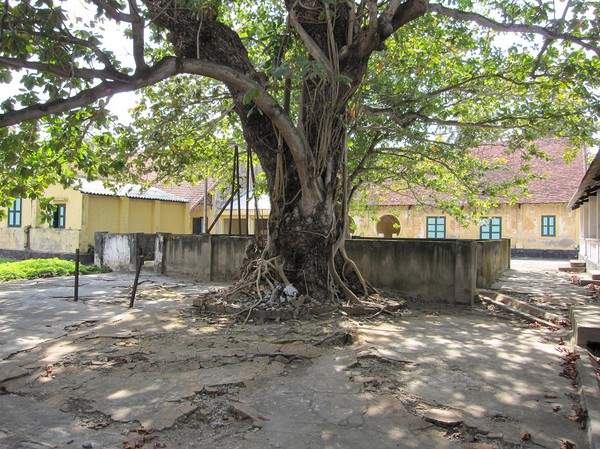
<point x="305" y="228"/>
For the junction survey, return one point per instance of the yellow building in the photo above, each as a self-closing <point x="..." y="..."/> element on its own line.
<point x="539" y="225"/>
<point x="80" y="213"/>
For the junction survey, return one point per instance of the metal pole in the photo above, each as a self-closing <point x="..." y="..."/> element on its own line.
<point x="140" y="262"/>
<point x="248" y="163"/>
<point x="256" y="217"/>
<point x="76" y="292"/>
<point x="205" y="219"/>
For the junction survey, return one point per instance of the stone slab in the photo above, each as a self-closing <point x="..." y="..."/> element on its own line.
<point x="586" y="324"/>
<point x="589" y="388"/>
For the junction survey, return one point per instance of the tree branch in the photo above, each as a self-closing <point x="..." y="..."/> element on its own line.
<point x="512" y="27"/>
<point x="166" y="68"/>
<point x="396" y="15"/>
<point x="160" y="71"/>
<point x="88" y="74"/>
<point x="137" y="28"/>
<point x="113" y="12"/>
<point x="311" y="45"/>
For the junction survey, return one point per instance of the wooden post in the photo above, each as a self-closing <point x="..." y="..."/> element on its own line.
<point x="76" y="292"/>
<point x="140" y="262"/>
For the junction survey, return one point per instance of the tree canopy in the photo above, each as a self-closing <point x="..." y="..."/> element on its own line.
<point x="328" y="94"/>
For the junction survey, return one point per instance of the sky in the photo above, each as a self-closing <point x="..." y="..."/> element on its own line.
<point x="114" y="41"/>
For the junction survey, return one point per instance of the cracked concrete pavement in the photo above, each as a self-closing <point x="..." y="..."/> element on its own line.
<point x="96" y="374"/>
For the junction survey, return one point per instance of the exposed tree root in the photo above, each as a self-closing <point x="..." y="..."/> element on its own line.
<point x="265" y="291"/>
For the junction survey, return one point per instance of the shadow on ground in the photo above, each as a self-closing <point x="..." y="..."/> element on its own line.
<point x="97" y="374"/>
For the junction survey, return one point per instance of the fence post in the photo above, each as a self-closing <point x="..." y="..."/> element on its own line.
<point x="140" y="262"/>
<point x="76" y="292"/>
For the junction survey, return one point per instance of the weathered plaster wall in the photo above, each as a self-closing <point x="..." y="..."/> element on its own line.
<point x="520" y="223"/>
<point x="437" y="270"/>
<point x="205" y="257"/>
<point x="442" y="270"/>
<point x="49" y="240"/>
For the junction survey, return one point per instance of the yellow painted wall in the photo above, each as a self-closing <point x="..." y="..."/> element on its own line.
<point x="141" y="216"/>
<point x="520" y="223"/>
<point x="37" y="236"/>
<point x="73" y="200"/>
<point x="87" y="214"/>
<point x="174" y="218"/>
<point x="238" y="223"/>
<point x="125" y="215"/>
<point x="16" y="238"/>
<point x="102" y="216"/>
<point x="199" y="213"/>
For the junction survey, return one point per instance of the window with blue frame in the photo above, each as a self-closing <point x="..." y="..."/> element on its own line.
<point x="491" y="229"/>
<point x="548" y="225"/>
<point x="14" y="214"/>
<point x="59" y="217"/>
<point x="436" y="227"/>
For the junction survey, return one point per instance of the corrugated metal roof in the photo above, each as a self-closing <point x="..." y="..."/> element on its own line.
<point x="129" y="191"/>
<point x="589" y="186"/>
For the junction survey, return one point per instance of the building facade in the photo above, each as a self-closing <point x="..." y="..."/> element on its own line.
<point x="538" y="225"/>
<point x="79" y="213"/>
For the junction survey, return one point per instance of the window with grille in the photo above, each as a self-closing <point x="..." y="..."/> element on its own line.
<point x="59" y="217"/>
<point x="436" y="227"/>
<point x="491" y="229"/>
<point x="548" y="225"/>
<point x="14" y="214"/>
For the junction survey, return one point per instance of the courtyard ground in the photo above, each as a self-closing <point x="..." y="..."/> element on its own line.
<point x="96" y="374"/>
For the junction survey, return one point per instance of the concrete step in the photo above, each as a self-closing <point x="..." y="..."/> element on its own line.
<point x="585" y="281"/>
<point x="571" y="269"/>
<point x="586" y="324"/>
<point x="577" y="263"/>
<point x="595" y="275"/>
<point x="522" y="308"/>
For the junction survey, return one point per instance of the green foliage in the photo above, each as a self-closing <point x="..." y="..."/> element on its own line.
<point x="41" y="268"/>
<point x="438" y="87"/>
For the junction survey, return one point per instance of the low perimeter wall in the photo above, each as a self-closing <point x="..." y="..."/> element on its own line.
<point x="206" y="257"/>
<point x="438" y="270"/>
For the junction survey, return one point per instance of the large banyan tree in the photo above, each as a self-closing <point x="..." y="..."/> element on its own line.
<point x="327" y="94"/>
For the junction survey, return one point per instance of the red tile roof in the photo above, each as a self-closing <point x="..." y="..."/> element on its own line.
<point x="561" y="179"/>
<point x="194" y="193"/>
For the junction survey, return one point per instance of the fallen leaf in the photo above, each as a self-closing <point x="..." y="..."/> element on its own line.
<point x="556" y="408"/>
<point x="142" y="431"/>
<point x="526" y="436"/>
<point x="580" y="415"/>
<point x="551" y="395"/>
<point x="566" y="444"/>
